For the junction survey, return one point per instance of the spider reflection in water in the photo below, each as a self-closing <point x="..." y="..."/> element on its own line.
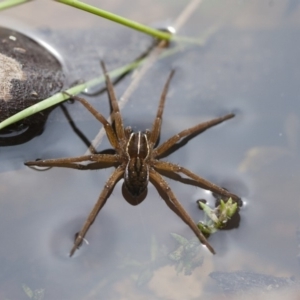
<point x="136" y="159"/>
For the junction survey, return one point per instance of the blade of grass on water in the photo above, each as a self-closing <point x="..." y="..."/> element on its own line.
<point x="118" y="19"/>
<point x="10" y="3"/>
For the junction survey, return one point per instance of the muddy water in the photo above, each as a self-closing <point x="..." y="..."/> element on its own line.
<point x="248" y="66"/>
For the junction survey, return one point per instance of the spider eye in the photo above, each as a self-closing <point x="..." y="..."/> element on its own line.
<point x="128" y="131"/>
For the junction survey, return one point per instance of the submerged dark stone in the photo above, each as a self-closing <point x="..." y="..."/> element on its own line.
<point x="29" y="73"/>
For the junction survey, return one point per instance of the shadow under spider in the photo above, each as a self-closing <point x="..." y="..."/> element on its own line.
<point x="136" y="161"/>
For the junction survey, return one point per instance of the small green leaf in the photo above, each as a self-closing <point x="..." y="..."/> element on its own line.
<point x="207" y="229"/>
<point x="177" y="254"/>
<point x="222" y="205"/>
<point x="39" y="294"/>
<point x="28" y="291"/>
<point x="180" y="239"/>
<point x="232" y="209"/>
<point x="209" y="212"/>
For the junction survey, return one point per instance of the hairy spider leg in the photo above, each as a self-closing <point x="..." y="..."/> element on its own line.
<point x="70" y="162"/>
<point x="108" y="128"/>
<point x="205" y="184"/>
<point x="161" y="149"/>
<point x="116" y="116"/>
<point x="109" y="185"/>
<point x="177" y="208"/>
<point x="155" y="131"/>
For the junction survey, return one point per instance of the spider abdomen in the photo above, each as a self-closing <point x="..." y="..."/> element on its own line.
<point x="136" y="176"/>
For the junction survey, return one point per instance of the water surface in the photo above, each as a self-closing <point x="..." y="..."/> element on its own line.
<point x="248" y="66"/>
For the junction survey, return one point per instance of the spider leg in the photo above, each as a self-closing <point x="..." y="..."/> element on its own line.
<point x="176" y="207"/>
<point x="155" y="131"/>
<point x="69" y="162"/>
<point x="109" y="185"/>
<point x="108" y="128"/>
<point x="205" y="184"/>
<point x="115" y="106"/>
<point x="198" y="128"/>
<point x="81" y="167"/>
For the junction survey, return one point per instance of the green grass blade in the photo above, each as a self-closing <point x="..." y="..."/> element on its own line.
<point x="118" y="19"/>
<point x="10" y="3"/>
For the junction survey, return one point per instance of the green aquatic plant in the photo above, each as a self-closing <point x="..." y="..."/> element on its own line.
<point x="187" y="256"/>
<point x="217" y="217"/>
<point x="141" y="271"/>
<point x="37" y="294"/>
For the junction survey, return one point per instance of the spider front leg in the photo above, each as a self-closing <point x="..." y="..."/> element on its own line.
<point x="108" y="128"/>
<point x="116" y="116"/>
<point x="205" y="184"/>
<point x="176" y="207"/>
<point x="110" y="184"/>
<point x="155" y="131"/>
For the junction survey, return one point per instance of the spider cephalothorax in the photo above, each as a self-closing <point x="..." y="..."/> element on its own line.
<point x="136" y="159"/>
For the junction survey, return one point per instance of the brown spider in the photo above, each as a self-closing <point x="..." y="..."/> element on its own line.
<point x="136" y="160"/>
